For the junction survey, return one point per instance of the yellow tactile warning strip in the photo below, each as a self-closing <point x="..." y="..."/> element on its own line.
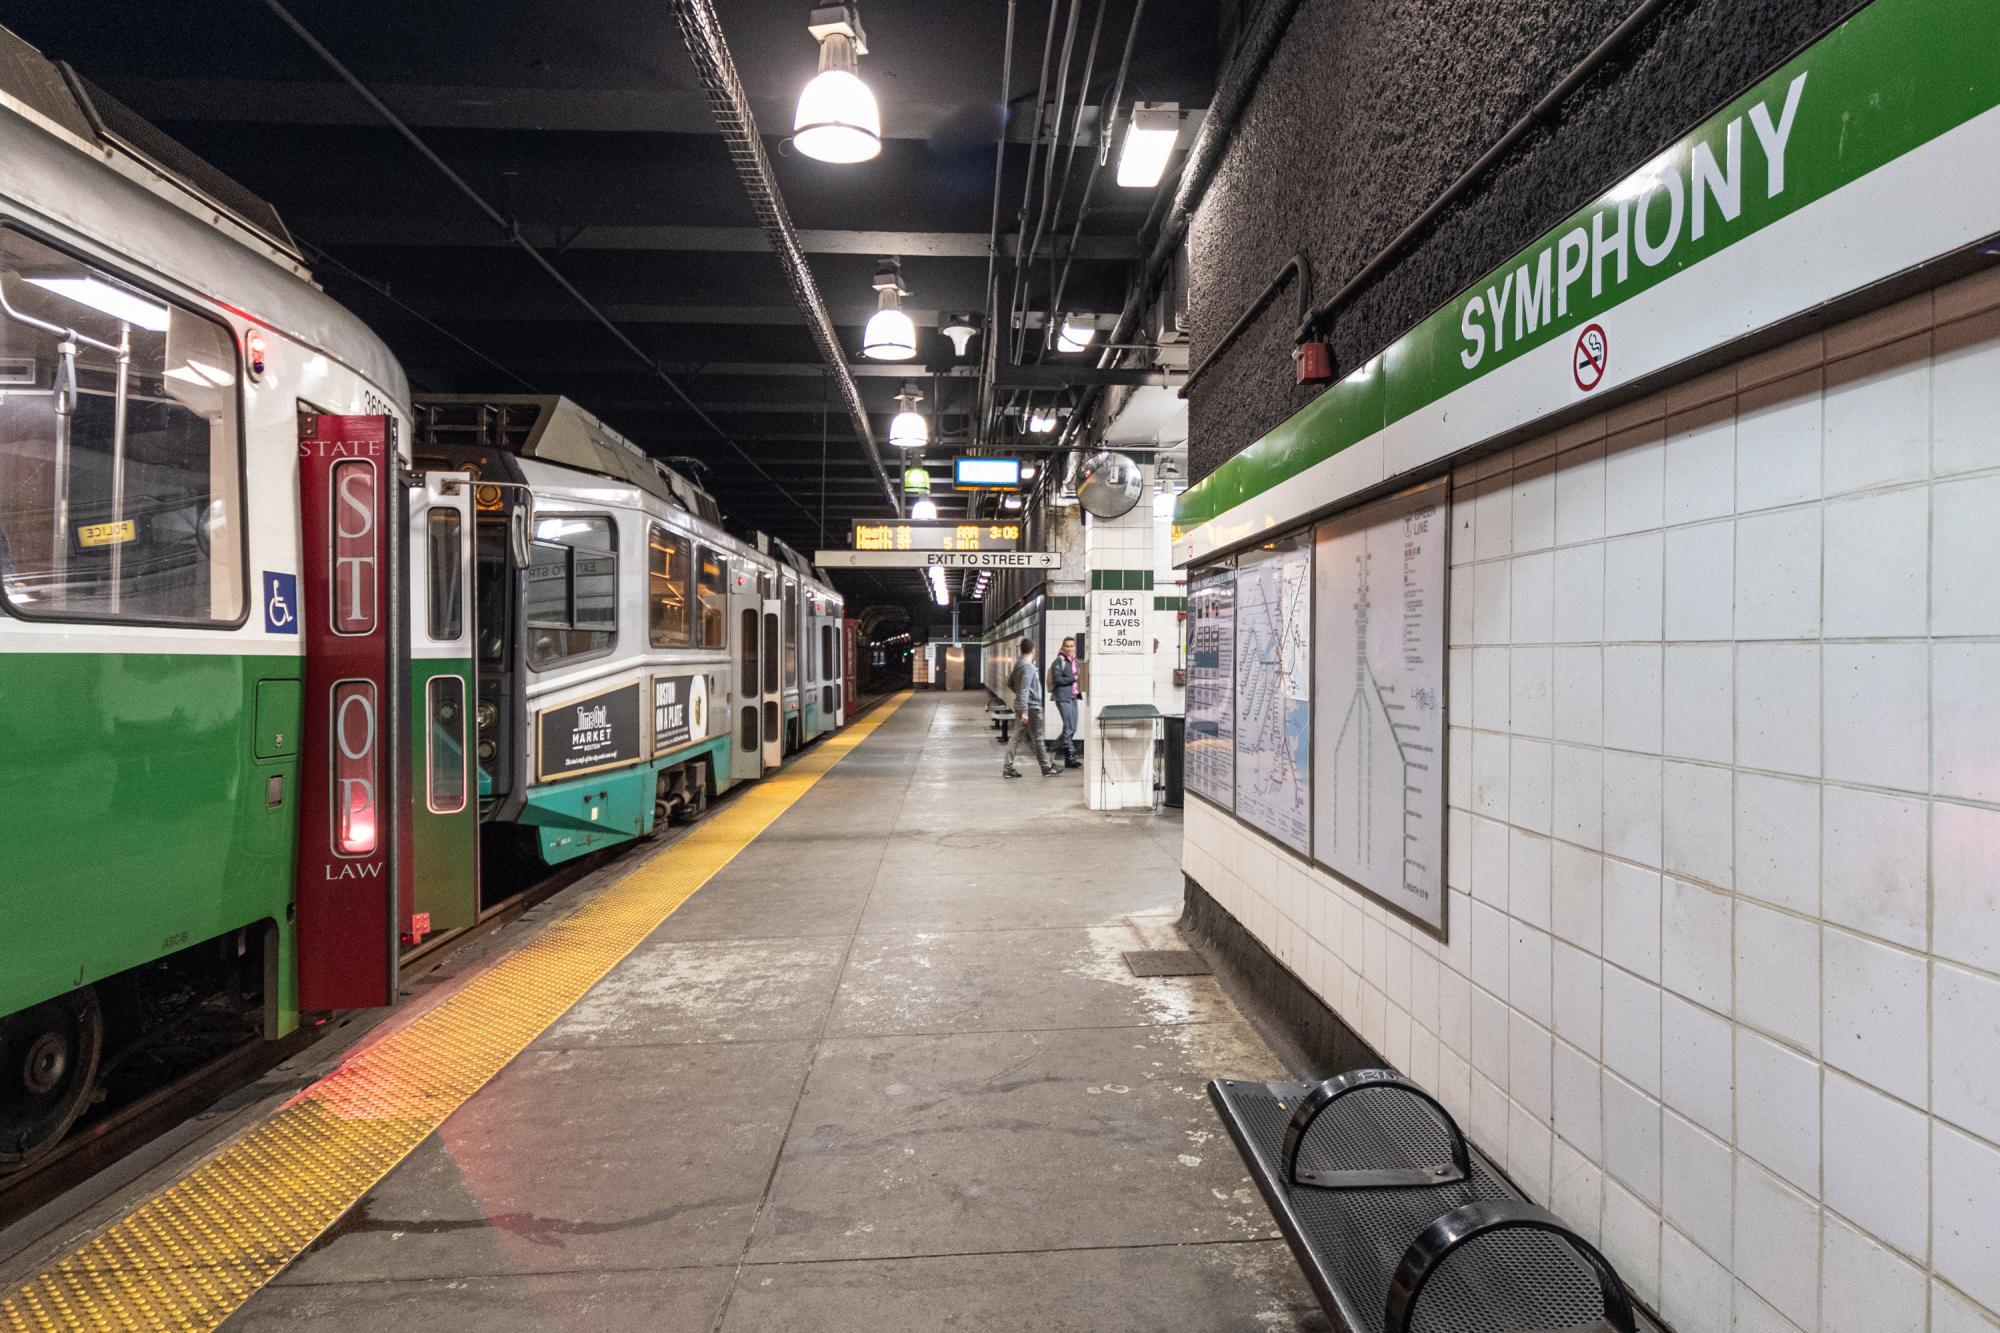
<point x="192" y="1254"/>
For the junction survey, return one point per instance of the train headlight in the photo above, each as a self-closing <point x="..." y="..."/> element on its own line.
<point x="488" y="714"/>
<point x="487" y="749"/>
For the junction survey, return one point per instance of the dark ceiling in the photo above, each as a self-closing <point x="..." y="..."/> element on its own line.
<point x="587" y="124"/>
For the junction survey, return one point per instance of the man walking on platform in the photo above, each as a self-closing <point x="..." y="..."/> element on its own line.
<point x="1062" y="689"/>
<point x="1026" y="683"/>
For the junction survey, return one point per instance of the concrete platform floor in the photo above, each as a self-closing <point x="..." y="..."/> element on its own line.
<point x="887" y="1070"/>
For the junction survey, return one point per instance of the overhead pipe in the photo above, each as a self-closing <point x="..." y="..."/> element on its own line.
<point x="512" y="232"/>
<point x="987" y="362"/>
<point x="1316" y="318"/>
<point x="1023" y="257"/>
<point x="1106" y="125"/>
<point x="1297" y="266"/>
<point x="702" y="31"/>
<point x="1232" y="94"/>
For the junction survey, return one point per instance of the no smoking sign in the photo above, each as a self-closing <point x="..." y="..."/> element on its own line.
<point x="1593" y="355"/>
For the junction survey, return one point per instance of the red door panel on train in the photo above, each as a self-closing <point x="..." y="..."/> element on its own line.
<point x="352" y="859"/>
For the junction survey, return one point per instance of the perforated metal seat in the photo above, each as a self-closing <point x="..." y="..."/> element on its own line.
<point x="1352" y="1240"/>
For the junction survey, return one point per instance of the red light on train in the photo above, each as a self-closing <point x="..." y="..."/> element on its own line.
<point x="354" y="734"/>
<point x="356" y="546"/>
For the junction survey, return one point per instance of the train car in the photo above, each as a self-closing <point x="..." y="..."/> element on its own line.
<point x="164" y="360"/>
<point x="645" y="659"/>
<point x="270" y="675"/>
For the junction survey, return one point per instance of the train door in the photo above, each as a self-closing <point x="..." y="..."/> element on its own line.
<point x="794" y="717"/>
<point x="773" y="699"/>
<point x="850" y="668"/>
<point x="746" y="607"/>
<point x="353" y="852"/>
<point x="444" y="810"/>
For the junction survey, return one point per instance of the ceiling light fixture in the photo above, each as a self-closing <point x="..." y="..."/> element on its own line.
<point x="1027" y="472"/>
<point x="1041" y="420"/>
<point x="924" y="511"/>
<point x="1010" y="502"/>
<point x="890" y="336"/>
<point x="1076" y="333"/>
<point x="837" y="119"/>
<point x="113" y="301"/>
<point x="908" y="429"/>
<point x="960" y="328"/>
<point x="1149" y="141"/>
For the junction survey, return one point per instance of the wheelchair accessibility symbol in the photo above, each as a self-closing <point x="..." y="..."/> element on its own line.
<point x="281" y="599"/>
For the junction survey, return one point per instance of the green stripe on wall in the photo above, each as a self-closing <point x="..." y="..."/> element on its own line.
<point x="1121" y="580"/>
<point x="1897" y="75"/>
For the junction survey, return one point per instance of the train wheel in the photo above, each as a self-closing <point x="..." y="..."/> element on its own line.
<point x="48" y="1070"/>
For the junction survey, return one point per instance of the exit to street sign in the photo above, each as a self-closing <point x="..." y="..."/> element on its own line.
<point x="937" y="559"/>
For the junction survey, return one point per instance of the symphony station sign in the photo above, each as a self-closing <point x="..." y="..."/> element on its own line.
<point x="913" y="544"/>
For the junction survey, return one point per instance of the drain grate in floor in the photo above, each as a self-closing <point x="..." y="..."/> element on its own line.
<point x="1167" y="963"/>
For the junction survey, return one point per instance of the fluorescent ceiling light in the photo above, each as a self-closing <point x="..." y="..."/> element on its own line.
<point x="113" y="301"/>
<point x="1077" y="333"/>
<point x="1149" y="142"/>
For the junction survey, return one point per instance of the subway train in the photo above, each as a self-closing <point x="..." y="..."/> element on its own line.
<point x="284" y="653"/>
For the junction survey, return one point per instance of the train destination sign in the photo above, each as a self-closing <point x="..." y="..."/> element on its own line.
<point x="911" y="535"/>
<point x="937" y="559"/>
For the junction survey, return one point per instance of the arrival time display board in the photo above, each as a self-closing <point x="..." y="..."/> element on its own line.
<point x="1211" y="687"/>
<point x="1380" y="800"/>
<point x="1273" y="706"/>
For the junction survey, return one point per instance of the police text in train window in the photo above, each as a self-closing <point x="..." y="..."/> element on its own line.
<point x="120" y="462"/>
<point x="712" y="592"/>
<point x="446" y="568"/>
<point x="570" y="602"/>
<point x="668" y="610"/>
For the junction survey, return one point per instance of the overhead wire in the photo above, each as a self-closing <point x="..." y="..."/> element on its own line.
<point x="512" y="231"/>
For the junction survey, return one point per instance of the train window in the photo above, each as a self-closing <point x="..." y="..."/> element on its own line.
<point x="791" y="634"/>
<point x="712" y="588"/>
<point x="444" y="746"/>
<point x="826" y="671"/>
<point x="668" y="556"/>
<point x="446" y="592"/>
<point x="570" y="601"/>
<point x="120" y="461"/>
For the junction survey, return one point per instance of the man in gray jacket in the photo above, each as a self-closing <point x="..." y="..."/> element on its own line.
<point x="1026" y="683"/>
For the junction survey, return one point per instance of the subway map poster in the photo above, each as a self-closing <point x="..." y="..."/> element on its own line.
<point x="1379" y="817"/>
<point x="1211" y="685"/>
<point x="1274" y="691"/>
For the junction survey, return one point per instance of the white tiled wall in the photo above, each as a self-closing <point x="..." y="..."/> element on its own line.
<point x="1722" y="982"/>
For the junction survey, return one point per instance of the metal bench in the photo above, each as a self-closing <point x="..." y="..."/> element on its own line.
<point x="1002" y="718"/>
<point x="1399" y="1225"/>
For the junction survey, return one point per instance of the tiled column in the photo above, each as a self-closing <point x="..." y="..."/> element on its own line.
<point x="1120" y="555"/>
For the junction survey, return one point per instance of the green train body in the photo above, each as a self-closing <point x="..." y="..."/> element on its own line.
<point x="162" y="350"/>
